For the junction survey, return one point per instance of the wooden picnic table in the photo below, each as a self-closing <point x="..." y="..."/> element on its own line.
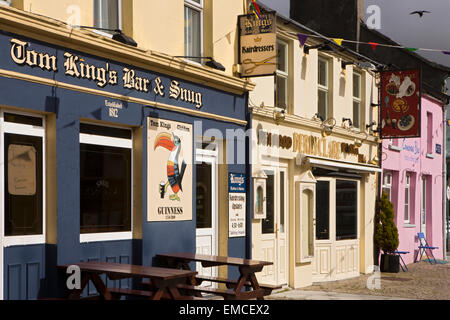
<point x="164" y="280"/>
<point x="247" y="278"/>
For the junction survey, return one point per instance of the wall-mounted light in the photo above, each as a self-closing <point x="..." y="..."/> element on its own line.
<point x="317" y="116"/>
<point x="375" y="161"/>
<point x="370" y="125"/>
<point x="327" y="126"/>
<point x="118" y="35"/>
<point x="326" y="131"/>
<point x="350" y="122"/>
<point x="279" y="116"/>
<point x="211" y="63"/>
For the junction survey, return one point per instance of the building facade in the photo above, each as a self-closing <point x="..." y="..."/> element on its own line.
<point x="113" y="152"/>
<point x="314" y="163"/>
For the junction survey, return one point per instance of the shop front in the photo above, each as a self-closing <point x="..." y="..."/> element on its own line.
<point x="315" y="219"/>
<point x="111" y="153"/>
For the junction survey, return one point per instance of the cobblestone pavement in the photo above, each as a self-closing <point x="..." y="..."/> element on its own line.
<point x="422" y="281"/>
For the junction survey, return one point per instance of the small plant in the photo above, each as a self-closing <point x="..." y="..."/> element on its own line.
<point x="386" y="232"/>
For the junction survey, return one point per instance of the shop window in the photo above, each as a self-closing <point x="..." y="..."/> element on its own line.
<point x="268" y="224"/>
<point x="23" y="153"/>
<point x="429" y="133"/>
<point x="323" y="89"/>
<point x="387" y="184"/>
<point x="346" y="209"/>
<point x="323" y="210"/>
<point x="193" y="29"/>
<point x="407" y="197"/>
<point x="281" y="79"/>
<point x="107" y="14"/>
<point x="357" y="101"/>
<point x="204" y="201"/>
<point x="105" y="180"/>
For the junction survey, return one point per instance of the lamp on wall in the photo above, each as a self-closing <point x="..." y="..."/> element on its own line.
<point x="118" y="35"/>
<point x="350" y="122"/>
<point x="279" y="115"/>
<point x="375" y="161"/>
<point x="327" y="126"/>
<point x="211" y="63"/>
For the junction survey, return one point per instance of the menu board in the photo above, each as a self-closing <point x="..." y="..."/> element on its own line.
<point x="21" y="170"/>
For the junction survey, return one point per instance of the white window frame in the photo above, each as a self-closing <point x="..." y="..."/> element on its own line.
<point x="387" y="184"/>
<point x="5" y="2"/>
<point x="119" y="13"/>
<point x="110" y="142"/>
<point x="200" y="8"/>
<point x="358" y="100"/>
<point x="283" y="74"/>
<point x="407" y="206"/>
<point x="24" y="130"/>
<point x="325" y="88"/>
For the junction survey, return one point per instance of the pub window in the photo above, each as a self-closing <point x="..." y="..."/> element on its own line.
<point x="387" y="184"/>
<point x="323" y="210"/>
<point x="23" y="159"/>
<point x="281" y="79"/>
<point x="323" y="89"/>
<point x="357" y="103"/>
<point x="346" y="209"/>
<point x="105" y="179"/>
<point x="193" y="29"/>
<point x="107" y="14"/>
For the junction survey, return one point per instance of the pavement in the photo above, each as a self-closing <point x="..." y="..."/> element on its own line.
<point x="290" y="294"/>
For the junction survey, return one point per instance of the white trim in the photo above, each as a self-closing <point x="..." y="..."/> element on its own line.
<point x="395" y="148"/>
<point x="107" y="236"/>
<point x="408" y="225"/>
<point x="340" y="164"/>
<point x="23" y="240"/>
<point x="324" y="88"/>
<point x="358" y="100"/>
<point x="106" y="141"/>
<point x="408" y="190"/>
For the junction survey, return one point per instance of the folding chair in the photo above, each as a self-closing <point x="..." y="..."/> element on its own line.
<point x="402" y="262"/>
<point x="423" y="247"/>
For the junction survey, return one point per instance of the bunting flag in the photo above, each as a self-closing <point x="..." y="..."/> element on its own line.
<point x="448" y="123"/>
<point x="256" y="10"/>
<point x="303" y="37"/>
<point x="338" y="41"/>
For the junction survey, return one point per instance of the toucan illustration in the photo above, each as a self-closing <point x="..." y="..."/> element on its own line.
<point x="174" y="174"/>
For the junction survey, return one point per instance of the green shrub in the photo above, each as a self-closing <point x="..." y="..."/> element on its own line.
<point x="386" y="232"/>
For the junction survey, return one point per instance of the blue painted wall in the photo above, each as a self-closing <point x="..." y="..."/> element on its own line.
<point x="30" y="271"/>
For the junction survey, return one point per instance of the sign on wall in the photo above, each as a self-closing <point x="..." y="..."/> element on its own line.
<point x="257" y="44"/>
<point x="169" y="180"/>
<point x="236" y="205"/>
<point x="400" y="104"/>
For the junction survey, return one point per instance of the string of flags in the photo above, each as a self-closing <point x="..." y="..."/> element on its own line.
<point x="303" y="37"/>
<point x="448" y="123"/>
<point x="256" y="10"/>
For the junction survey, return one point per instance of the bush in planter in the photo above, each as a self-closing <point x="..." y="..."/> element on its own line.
<point x="386" y="234"/>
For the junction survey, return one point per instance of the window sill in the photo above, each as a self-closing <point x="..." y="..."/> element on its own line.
<point x="113" y="236"/>
<point x="23" y="240"/>
<point x="395" y="148"/>
<point x="408" y="225"/>
<point x="430" y="155"/>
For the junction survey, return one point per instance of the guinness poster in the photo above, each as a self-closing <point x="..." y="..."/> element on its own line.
<point x="258" y="44"/>
<point x="400" y="104"/>
<point x="169" y="170"/>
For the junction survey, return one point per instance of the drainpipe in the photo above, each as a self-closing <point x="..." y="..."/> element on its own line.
<point x="444" y="180"/>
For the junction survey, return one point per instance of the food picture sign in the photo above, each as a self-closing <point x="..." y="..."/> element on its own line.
<point x="400" y="104"/>
<point x="169" y="170"/>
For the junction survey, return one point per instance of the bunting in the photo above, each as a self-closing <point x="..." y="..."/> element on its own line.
<point x="256" y="10"/>
<point x="338" y="41"/>
<point x="374" y="45"/>
<point x="302" y="38"/>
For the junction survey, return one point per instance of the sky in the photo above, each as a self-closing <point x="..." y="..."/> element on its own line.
<point x="431" y="31"/>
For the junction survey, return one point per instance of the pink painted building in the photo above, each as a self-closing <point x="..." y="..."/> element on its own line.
<point x="412" y="176"/>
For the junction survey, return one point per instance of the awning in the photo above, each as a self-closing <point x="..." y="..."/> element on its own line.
<point x="336" y="164"/>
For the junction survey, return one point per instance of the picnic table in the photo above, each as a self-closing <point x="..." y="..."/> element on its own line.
<point x="247" y="278"/>
<point x="164" y="280"/>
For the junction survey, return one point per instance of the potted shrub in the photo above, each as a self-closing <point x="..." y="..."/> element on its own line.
<point x="386" y="235"/>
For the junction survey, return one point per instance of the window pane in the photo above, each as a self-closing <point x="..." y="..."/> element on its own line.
<point x="388" y="192"/>
<point x="192" y="33"/>
<point x="356" y="85"/>
<point x="323" y="104"/>
<point x="18" y="118"/>
<point x="356" y="108"/>
<point x="23" y="185"/>
<point x="323" y="81"/>
<point x="105" y="189"/>
<point x="204" y="188"/>
<point x="106" y="14"/>
<point x="282" y="201"/>
<point x="281" y="92"/>
<point x="322" y="210"/>
<point x="269" y="223"/>
<point x="282" y="57"/>
<point x="346" y="209"/>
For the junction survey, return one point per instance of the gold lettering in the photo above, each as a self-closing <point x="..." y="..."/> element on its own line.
<point x="18" y="51"/>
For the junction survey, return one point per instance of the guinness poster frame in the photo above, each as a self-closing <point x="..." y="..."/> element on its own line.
<point x="271" y="35"/>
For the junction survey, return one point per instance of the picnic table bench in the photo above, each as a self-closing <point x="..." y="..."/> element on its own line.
<point x="164" y="280"/>
<point x="247" y="278"/>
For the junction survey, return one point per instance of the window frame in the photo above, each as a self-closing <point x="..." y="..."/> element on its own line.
<point x="358" y="100"/>
<point x="24" y="130"/>
<point x="387" y="185"/>
<point x="324" y="88"/>
<point x="120" y="22"/>
<point x="201" y="9"/>
<point x="5" y="2"/>
<point x="282" y="74"/>
<point x="118" y="143"/>
<point x="407" y="206"/>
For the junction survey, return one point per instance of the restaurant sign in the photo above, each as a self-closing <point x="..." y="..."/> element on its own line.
<point x="169" y="170"/>
<point x="400" y="104"/>
<point x="257" y="44"/>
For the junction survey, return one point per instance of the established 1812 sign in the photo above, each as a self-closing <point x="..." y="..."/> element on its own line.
<point x="258" y="44"/>
<point x="236" y="205"/>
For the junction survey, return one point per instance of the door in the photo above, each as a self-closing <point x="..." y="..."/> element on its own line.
<point x="274" y="228"/>
<point x="206" y="211"/>
<point x="423" y="207"/>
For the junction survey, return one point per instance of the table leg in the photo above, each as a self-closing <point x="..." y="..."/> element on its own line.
<point x="100" y="286"/>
